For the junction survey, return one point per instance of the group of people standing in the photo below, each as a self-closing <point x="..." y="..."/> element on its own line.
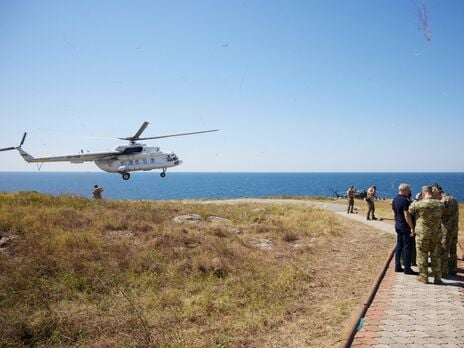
<point x="370" y="196"/>
<point x="428" y="224"/>
<point x="425" y="226"/>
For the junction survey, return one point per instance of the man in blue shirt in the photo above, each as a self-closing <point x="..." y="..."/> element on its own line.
<point x="404" y="229"/>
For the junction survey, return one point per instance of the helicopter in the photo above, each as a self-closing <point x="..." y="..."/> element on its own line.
<point x="361" y="194"/>
<point x="123" y="159"/>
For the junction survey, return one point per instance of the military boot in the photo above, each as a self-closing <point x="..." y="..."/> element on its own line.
<point x="422" y="280"/>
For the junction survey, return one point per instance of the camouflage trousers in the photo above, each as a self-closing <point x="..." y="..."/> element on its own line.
<point x="426" y="245"/>
<point x="350" y="205"/>
<point x="449" y="259"/>
<point x="370" y="208"/>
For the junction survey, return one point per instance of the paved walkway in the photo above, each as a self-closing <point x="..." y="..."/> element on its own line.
<point x="405" y="312"/>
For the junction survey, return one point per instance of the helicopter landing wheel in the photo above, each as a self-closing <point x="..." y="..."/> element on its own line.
<point x="125" y="176"/>
<point x="163" y="174"/>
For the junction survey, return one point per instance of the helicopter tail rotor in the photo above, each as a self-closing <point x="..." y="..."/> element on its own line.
<point x="15" y="147"/>
<point x="23" y="139"/>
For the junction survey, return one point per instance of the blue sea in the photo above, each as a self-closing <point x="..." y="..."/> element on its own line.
<point x="222" y="185"/>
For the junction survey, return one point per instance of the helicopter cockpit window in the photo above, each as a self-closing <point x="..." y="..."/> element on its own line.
<point x="129" y="150"/>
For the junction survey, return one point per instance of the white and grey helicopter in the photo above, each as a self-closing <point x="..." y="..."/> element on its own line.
<point x="124" y="159"/>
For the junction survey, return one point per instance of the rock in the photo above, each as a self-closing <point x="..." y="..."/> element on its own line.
<point x="263" y="244"/>
<point x="219" y="220"/>
<point x="219" y="267"/>
<point x="6" y="239"/>
<point x="259" y="210"/>
<point x="296" y="243"/>
<point x="190" y="218"/>
<point x="235" y="230"/>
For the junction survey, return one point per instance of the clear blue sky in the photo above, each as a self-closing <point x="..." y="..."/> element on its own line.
<point x="293" y="85"/>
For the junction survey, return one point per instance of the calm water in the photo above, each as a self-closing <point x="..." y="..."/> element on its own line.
<point x="222" y="185"/>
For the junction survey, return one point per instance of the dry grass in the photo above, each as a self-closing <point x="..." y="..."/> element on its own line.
<point x="106" y="273"/>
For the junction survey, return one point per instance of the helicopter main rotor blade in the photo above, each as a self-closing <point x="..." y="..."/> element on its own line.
<point x="8" y="148"/>
<point x="140" y="131"/>
<point x="178" y="135"/>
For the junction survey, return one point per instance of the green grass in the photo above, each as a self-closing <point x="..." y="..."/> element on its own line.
<point x="110" y="273"/>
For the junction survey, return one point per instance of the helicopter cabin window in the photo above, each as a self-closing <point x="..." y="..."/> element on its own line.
<point x="144" y="161"/>
<point x="131" y="162"/>
<point x="152" y="160"/>
<point x="137" y="162"/>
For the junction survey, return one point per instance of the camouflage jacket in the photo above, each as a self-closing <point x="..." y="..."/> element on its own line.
<point x="428" y="213"/>
<point x="450" y="218"/>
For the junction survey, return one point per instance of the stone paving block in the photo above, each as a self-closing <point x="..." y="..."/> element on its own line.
<point x="396" y="345"/>
<point x="402" y="340"/>
<point x="384" y="340"/>
<point x="419" y="333"/>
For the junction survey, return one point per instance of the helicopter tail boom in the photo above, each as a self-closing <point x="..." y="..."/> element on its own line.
<point x="27" y="157"/>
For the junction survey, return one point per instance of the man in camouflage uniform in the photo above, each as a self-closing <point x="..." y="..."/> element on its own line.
<point x="97" y="192"/>
<point x="428" y="213"/>
<point x="371" y="195"/>
<point x="350" y="196"/>
<point x="449" y="224"/>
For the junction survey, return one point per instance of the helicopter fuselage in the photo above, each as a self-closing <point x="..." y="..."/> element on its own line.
<point x="138" y="157"/>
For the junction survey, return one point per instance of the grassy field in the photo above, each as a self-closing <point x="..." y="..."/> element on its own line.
<point x="108" y="273"/>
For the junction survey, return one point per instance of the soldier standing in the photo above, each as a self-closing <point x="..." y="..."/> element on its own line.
<point x="350" y="196"/>
<point x="449" y="224"/>
<point x="428" y="213"/>
<point x="371" y="195"/>
<point x="97" y="192"/>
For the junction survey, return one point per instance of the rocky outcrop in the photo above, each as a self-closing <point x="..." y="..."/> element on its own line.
<point x="6" y="239"/>
<point x="190" y="218"/>
<point x="263" y="244"/>
<point x="219" y="220"/>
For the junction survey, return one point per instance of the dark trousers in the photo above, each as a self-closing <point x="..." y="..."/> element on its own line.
<point x="403" y="248"/>
<point x="413" y="251"/>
